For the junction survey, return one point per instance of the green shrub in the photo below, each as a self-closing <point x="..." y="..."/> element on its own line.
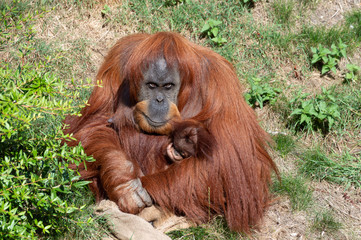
<point x="36" y="185"/>
<point x="37" y="189"/>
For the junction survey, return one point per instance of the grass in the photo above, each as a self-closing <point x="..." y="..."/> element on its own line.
<point x="284" y="144"/>
<point x="216" y="230"/>
<point x="353" y="22"/>
<point x="297" y="190"/>
<point x="325" y="222"/>
<point x="345" y="170"/>
<point x="269" y="41"/>
<point x="283" y="11"/>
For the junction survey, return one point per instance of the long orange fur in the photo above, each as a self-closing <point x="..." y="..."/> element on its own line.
<point x="233" y="182"/>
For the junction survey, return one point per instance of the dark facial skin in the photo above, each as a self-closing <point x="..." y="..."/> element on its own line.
<point x="160" y="87"/>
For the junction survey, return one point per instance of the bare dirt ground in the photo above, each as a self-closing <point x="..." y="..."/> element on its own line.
<point x="281" y="222"/>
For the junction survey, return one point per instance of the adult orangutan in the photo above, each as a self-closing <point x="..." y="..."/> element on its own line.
<point x="148" y="84"/>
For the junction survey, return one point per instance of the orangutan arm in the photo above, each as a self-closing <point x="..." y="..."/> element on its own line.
<point x="181" y="189"/>
<point x="118" y="175"/>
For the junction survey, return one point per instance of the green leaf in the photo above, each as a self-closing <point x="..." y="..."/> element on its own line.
<point x="330" y="122"/>
<point x="296" y="112"/>
<point x="349" y="76"/>
<point x="315" y="59"/>
<point x="304" y="118"/>
<point x="325" y="69"/>
<point x="343" y="53"/>
<point x="214" y="31"/>
<point x="325" y="59"/>
<point x="81" y="183"/>
<point x="205" y="28"/>
<point x="322" y="106"/>
<point x="334" y="70"/>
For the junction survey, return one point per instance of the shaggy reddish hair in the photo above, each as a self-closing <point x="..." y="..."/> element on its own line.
<point x="232" y="182"/>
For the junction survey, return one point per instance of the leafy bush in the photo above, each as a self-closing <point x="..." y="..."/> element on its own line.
<point x="261" y="93"/>
<point x="36" y="185"/>
<point x="319" y="112"/>
<point x="37" y="188"/>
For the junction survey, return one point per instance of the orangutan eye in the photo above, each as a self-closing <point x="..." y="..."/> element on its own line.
<point x="151" y="85"/>
<point x="168" y="86"/>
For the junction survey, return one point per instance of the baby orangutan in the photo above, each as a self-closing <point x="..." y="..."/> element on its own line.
<point x="189" y="138"/>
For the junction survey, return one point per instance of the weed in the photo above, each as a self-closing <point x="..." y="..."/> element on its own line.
<point x="319" y="112"/>
<point x="261" y="93"/>
<point x="315" y="35"/>
<point x="325" y="222"/>
<point x="353" y="73"/>
<point x="328" y="58"/>
<point x="211" y="30"/>
<point x="296" y="188"/>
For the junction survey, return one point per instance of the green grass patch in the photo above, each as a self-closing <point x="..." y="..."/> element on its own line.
<point x="325" y="222"/>
<point x="345" y="170"/>
<point x="349" y="100"/>
<point x="353" y="22"/>
<point x="283" y="10"/>
<point x="216" y="230"/>
<point x="284" y="144"/>
<point x="296" y="188"/>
